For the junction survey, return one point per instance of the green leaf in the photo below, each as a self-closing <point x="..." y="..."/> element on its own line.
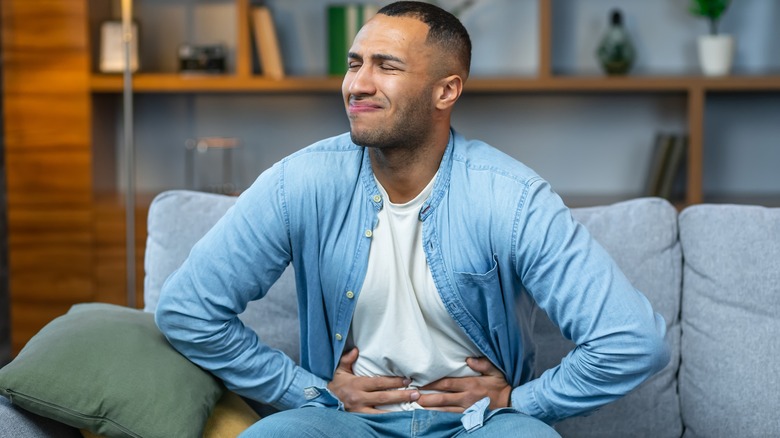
<point x="711" y="9"/>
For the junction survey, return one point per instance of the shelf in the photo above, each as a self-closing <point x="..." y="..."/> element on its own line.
<point x="581" y="84"/>
<point x="742" y="83"/>
<point x="176" y="83"/>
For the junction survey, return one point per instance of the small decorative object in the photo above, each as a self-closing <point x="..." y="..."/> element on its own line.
<point x="202" y="59"/>
<point x="211" y="164"/>
<point x="716" y="51"/>
<point x="112" y="47"/>
<point x="616" y="51"/>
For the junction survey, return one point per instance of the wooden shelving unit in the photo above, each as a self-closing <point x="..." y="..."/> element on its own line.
<point x="694" y="88"/>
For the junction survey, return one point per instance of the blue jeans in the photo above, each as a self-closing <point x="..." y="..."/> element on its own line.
<point x="318" y="422"/>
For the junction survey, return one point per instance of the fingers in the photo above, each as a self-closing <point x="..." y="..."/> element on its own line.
<point x="364" y="394"/>
<point x="362" y="401"/>
<point x="483" y="366"/>
<point x="458" y="393"/>
<point x="347" y="359"/>
<point x="383" y="383"/>
<point x="448" y="384"/>
<point x="446" y="401"/>
<point x="379" y="398"/>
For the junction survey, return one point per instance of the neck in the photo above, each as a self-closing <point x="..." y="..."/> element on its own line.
<point x="404" y="172"/>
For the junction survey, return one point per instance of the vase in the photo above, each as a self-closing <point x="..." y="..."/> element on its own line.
<point x="616" y="51"/>
<point x="716" y="53"/>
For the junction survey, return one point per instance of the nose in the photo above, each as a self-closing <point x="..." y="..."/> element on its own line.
<point x="360" y="82"/>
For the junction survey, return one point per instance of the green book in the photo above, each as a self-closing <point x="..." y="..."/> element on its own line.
<point x="344" y="22"/>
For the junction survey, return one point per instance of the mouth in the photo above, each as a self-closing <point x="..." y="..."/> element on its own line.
<point x="357" y="106"/>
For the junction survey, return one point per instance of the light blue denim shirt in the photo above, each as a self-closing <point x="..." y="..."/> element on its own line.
<point x="497" y="239"/>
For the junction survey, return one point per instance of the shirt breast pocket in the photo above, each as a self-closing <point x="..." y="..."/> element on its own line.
<point x="480" y="292"/>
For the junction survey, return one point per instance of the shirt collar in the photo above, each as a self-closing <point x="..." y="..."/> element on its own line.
<point x="440" y="184"/>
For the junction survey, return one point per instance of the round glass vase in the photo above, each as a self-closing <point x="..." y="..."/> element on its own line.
<point x="616" y="52"/>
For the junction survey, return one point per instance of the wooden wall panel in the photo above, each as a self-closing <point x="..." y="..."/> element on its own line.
<point x="64" y="112"/>
<point x="33" y="73"/>
<point x="28" y="318"/>
<point x="46" y="25"/>
<point x="48" y="160"/>
<point x="49" y="179"/>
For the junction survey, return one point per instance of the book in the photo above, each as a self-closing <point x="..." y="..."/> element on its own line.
<point x="662" y="147"/>
<point x="344" y="22"/>
<point x="674" y="166"/>
<point x="267" y="43"/>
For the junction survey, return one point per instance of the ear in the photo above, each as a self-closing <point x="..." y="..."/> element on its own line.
<point x="448" y="91"/>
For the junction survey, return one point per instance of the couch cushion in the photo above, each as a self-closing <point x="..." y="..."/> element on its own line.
<point x="177" y="220"/>
<point x="641" y="235"/>
<point x="108" y="369"/>
<point x="729" y="377"/>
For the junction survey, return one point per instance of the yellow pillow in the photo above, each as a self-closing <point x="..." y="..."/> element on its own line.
<point x="230" y="417"/>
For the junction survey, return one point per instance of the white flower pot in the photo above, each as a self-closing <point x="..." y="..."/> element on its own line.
<point x="716" y="53"/>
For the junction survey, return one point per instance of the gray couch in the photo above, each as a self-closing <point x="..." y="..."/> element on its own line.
<point x="712" y="271"/>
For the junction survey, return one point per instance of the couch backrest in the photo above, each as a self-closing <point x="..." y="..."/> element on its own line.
<point x="177" y="220"/>
<point x="730" y="377"/>
<point x="641" y="235"/>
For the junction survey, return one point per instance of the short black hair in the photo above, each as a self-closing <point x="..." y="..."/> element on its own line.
<point x="444" y="29"/>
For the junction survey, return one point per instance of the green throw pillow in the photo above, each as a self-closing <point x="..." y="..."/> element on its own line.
<point x="108" y="369"/>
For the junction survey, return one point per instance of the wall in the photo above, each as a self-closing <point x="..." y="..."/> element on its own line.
<point x="584" y="144"/>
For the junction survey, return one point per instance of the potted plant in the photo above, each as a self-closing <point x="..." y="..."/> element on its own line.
<point x="716" y="50"/>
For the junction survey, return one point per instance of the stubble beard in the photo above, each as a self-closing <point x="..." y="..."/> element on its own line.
<point x="409" y="129"/>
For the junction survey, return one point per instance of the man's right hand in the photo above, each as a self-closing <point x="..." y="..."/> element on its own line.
<point x="364" y="394"/>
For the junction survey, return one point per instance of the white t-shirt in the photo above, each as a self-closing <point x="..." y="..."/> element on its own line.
<point x="400" y="324"/>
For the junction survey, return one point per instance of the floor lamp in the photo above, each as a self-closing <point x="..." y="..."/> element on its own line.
<point x="129" y="150"/>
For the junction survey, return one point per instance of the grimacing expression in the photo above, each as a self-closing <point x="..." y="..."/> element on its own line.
<point x="388" y="88"/>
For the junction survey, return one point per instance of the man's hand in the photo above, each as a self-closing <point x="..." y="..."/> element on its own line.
<point x="462" y="392"/>
<point x="363" y="394"/>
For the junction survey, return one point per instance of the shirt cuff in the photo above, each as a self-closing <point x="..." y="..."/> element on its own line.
<point x="294" y="397"/>
<point x="524" y="401"/>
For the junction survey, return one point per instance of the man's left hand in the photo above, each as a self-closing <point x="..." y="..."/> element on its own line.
<point x="461" y="392"/>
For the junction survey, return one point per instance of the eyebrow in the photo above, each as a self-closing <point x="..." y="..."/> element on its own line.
<point x="378" y="56"/>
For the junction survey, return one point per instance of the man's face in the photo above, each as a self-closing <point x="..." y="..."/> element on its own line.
<point x="388" y="88"/>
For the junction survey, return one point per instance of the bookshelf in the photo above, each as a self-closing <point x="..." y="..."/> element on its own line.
<point x="62" y="128"/>
<point x="694" y="88"/>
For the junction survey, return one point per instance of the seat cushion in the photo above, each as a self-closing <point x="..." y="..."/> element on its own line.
<point x="16" y="422"/>
<point x="177" y="220"/>
<point x="641" y="235"/>
<point x="729" y="377"/>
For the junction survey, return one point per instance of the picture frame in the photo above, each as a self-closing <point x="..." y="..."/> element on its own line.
<point x="112" y="56"/>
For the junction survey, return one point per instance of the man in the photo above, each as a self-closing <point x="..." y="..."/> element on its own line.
<point x="419" y="258"/>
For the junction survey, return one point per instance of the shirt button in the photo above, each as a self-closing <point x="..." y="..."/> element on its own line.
<point x="350" y="294"/>
<point x="368" y="233"/>
<point x="377" y="198"/>
<point x="338" y="336"/>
